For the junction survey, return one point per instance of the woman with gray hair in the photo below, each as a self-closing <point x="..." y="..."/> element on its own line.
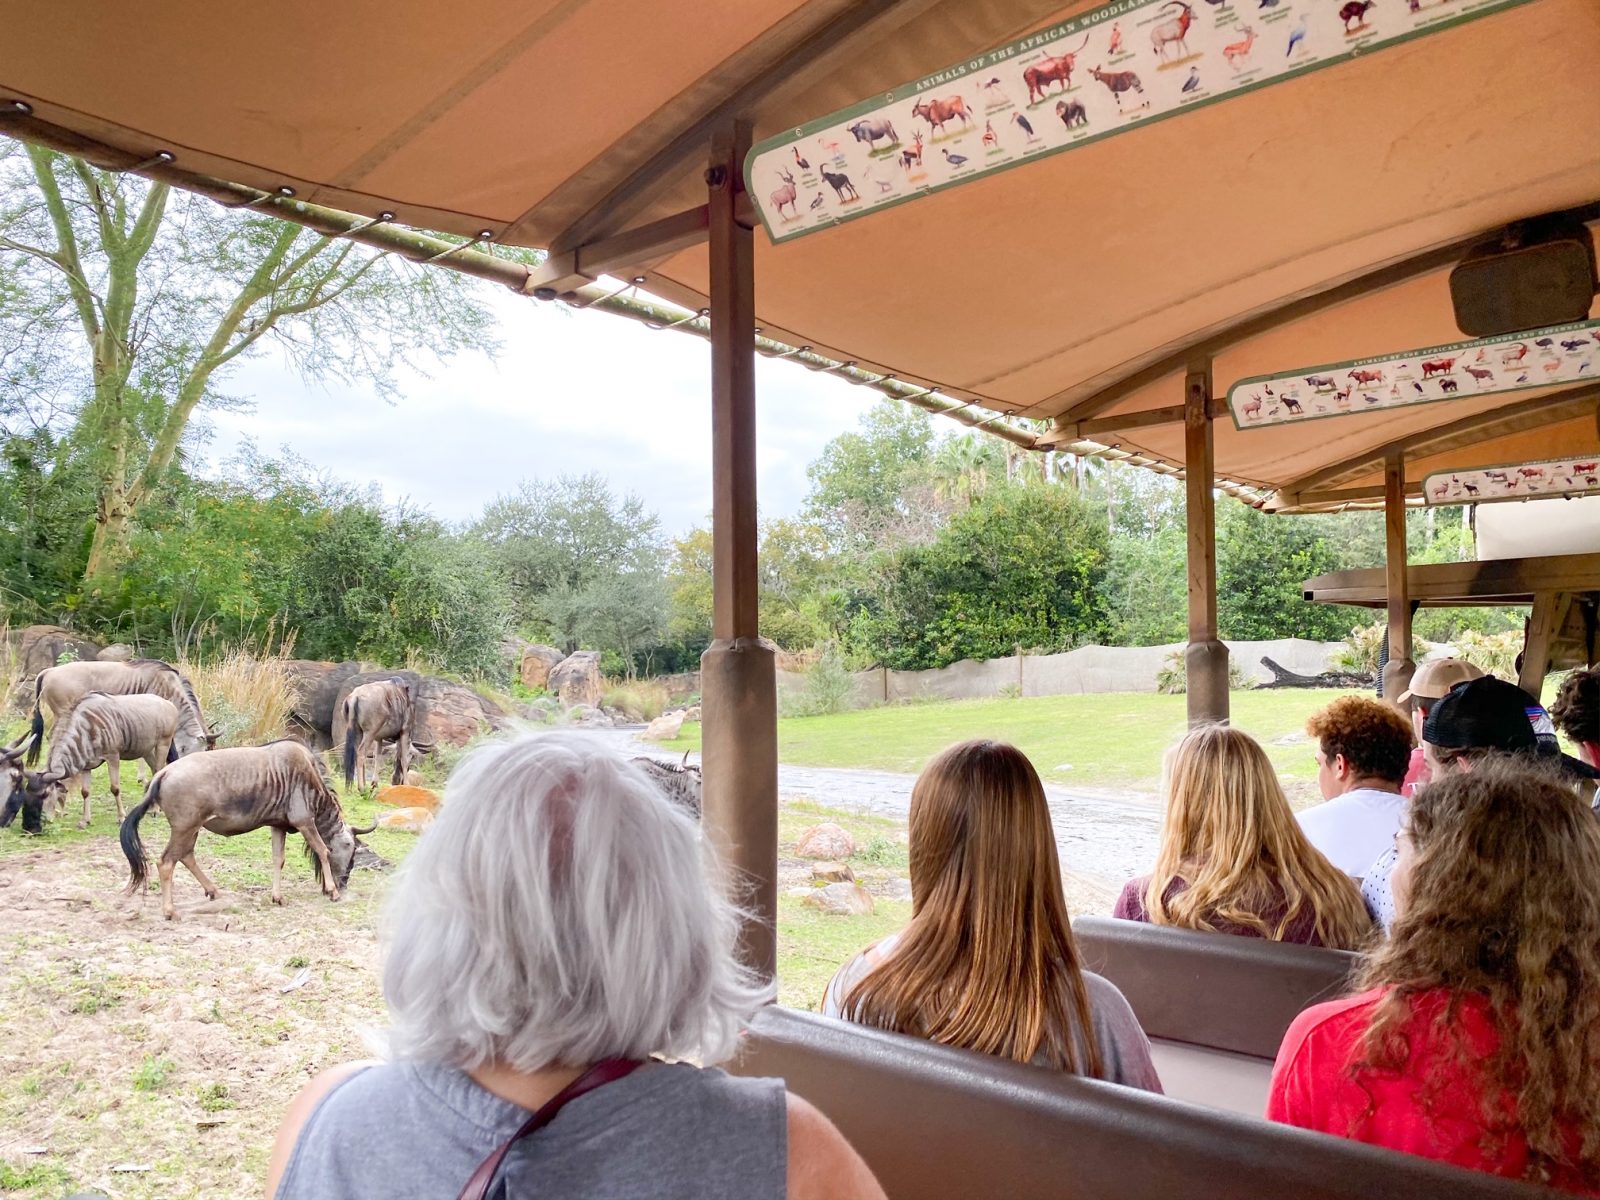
<point x="550" y="945"/>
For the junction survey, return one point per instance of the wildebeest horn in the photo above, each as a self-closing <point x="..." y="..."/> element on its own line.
<point x="358" y="830"/>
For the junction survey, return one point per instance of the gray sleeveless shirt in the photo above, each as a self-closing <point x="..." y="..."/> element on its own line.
<point x="669" y="1131"/>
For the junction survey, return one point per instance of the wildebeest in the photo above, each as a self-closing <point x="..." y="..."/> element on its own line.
<point x="869" y="131"/>
<point x="1119" y="82"/>
<point x="98" y="729"/>
<point x="1051" y="69"/>
<point x="937" y="112"/>
<point x="61" y="687"/>
<point x="280" y="786"/>
<point x="375" y="713"/>
<point x="680" y="781"/>
<point x="1071" y="113"/>
<point x="840" y="183"/>
<point x="1321" y="382"/>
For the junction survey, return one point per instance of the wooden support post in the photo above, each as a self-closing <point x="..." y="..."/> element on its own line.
<point x="1206" y="658"/>
<point x="1397" y="674"/>
<point x="738" y="678"/>
<point x="1548" y="615"/>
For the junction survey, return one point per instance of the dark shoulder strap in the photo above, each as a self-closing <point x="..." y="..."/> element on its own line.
<point x="601" y="1073"/>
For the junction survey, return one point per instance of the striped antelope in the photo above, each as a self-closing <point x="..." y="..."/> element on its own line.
<point x="61" y="687"/>
<point x="98" y="729"/>
<point x="281" y="786"/>
<point x="375" y="713"/>
<point x="679" y="781"/>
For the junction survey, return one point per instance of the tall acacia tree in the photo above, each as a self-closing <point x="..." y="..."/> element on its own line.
<point x="123" y="303"/>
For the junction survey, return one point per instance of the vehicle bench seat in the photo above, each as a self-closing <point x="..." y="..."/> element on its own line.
<point x="935" y="1123"/>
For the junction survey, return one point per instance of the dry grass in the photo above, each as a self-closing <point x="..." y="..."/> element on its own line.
<point x="246" y="698"/>
<point x="637" y="699"/>
<point x="10" y="665"/>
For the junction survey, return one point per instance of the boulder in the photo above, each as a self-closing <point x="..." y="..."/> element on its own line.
<point x="576" y="679"/>
<point x="407" y="820"/>
<point x="833" y="872"/>
<point x="317" y="687"/>
<point x="664" y="728"/>
<point x="584" y="716"/>
<point x="841" y="899"/>
<point x="898" y="889"/>
<point x="407" y="796"/>
<point x="41" y="646"/>
<point x="537" y="663"/>
<point x="117" y="652"/>
<point x="825" y="841"/>
<point x="692" y="713"/>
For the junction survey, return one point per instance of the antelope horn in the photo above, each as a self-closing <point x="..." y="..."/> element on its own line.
<point x="358" y="830"/>
<point x="684" y="765"/>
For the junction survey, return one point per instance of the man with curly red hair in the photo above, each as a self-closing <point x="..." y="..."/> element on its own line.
<point x="1363" y="750"/>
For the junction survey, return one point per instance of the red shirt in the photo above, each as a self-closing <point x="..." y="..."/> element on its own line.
<point x="1417" y="774"/>
<point x="1312" y="1087"/>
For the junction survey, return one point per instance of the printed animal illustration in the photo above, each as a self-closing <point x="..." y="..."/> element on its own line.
<point x="937" y="112"/>
<point x="1120" y="82"/>
<point x="1116" y="38"/>
<point x="1420" y="389"/>
<point x="1551" y="365"/>
<point x="832" y="147"/>
<point x="841" y="185"/>
<point x="1172" y="32"/>
<point x="1342" y="399"/>
<point x="787" y="194"/>
<point x="1523" y="378"/>
<point x="1321" y="382"/>
<point x="884" y="185"/>
<point x="1545" y="342"/>
<point x="1531" y="472"/>
<point x="1237" y="52"/>
<point x="1472" y="489"/>
<point x="1480" y="374"/>
<point x="1355" y="11"/>
<point x="1496" y="476"/>
<point x="1369" y="398"/>
<point x="912" y="157"/>
<point x="1291" y="403"/>
<point x="1587" y="468"/>
<point x="1364" y="378"/>
<point x="1021" y="120"/>
<point x="870" y="131"/>
<point x="816" y="201"/>
<point x="798" y="161"/>
<point x="1437" y="366"/>
<point x="1251" y="408"/>
<point x="1575" y="344"/>
<point x="1515" y="353"/>
<point x="1440" y="490"/>
<point x="955" y="160"/>
<point x="1296" y="36"/>
<point x="990" y="138"/>
<point x="1193" y="82"/>
<point x="1446" y="384"/>
<point x="1053" y="69"/>
<point x="1072" y="113"/>
<point x="1268" y="4"/>
<point x="994" y="92"/>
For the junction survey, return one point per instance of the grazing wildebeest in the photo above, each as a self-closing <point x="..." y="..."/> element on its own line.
<point x="870" y="131"/>
<point x="1119" y="82"/>
<point x="280" y="786"/>
<point x="680" y="781"/>
<point x="937" y="112"/>
<point x="61" y="687"/>
<point x="375" y="713"/>
<point x="1051" y="69"/>
<point x="98" y="729"/>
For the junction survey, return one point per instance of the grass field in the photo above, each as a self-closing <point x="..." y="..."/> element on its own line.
<point x="1113" y="740"/>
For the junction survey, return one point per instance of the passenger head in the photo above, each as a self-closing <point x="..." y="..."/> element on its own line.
<point x="1576" y="712"/>
<point x="1495" y="896"/>
<point x="557" y="912"/>
<point x="1232" y="837"/>
<point x="1432" y="682"/>
<point x="1476" y="719"/>
<point x="988" y="962"/>
<point x="1361" y="743"/>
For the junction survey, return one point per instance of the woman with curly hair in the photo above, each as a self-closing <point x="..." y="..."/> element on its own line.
<point x="1476" y="1039"/>
<point x="1233" y="859"/>
<point x="989" y="962"/>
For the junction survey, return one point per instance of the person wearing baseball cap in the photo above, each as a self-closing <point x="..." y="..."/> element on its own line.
<point x="1432" y="681"/>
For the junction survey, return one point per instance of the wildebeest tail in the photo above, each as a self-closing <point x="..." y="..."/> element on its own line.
<point x="131" y="845"/>
<point x="37" y="727"/>
<point x="350" y="735"/>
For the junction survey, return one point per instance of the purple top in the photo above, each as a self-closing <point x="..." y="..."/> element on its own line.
<point x="1303" y="929"/>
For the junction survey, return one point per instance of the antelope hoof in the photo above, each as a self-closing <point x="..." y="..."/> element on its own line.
<point x="277" y="899"/>
<point x="83" y="824"/>
<point x="212" y="894"/>
<point x="332" y="893"/>
<point x="170" y="914"/>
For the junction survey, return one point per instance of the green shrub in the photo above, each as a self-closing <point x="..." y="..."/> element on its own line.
<point x="828" y="688"/>
<point x="1364" y="647"/>
<point x="1172" y="678"/>
<point x="1495" y="653"/>
<point x="638" y="699"/>
<point x="152" y="1073"/>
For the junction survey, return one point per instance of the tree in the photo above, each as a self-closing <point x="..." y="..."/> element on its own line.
<point x="874" y="487"/>
<point x="127" y="302"/>
<point x="1262" y="561"/>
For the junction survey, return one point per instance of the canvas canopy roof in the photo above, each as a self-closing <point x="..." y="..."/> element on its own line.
<point x="1077" y="287"/>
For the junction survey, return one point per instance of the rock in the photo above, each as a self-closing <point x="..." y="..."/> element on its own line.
<point x="584" y="716"/>
<point x="664" y="728"/>
<point x="576" y="679"/>
<point x="41" y="646"/>
<point x="898" y="889"/>
<point x="409" y="797"/>
<point x="833" y="872"/>
<point x="537" y="663"/>
<point x="117" y="652"/>
<point x="692" y="713"/>
<point x="407" y="820"/>
<point x="414" y="779"/>
<point x="841" y="899"/>
<point x="825" y="841"/>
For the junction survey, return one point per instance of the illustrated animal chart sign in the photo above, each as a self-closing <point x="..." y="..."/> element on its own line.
<point x="1091" y="77"/>
<point x="1513" y="363"/>
<point x="1556" y="477"/>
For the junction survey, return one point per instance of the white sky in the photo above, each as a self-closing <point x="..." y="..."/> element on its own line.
<point x="569" y="393"/>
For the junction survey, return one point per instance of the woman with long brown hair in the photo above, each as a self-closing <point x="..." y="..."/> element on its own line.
<point x="988" y="961"/>
<point x="1477" y="1038"/>
<point x="1233" y="859"/>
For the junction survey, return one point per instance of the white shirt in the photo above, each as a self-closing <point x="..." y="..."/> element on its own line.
<point x="1355" y="829"/>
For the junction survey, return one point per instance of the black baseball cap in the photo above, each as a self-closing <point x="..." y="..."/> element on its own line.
<point x="1491" y="714"/>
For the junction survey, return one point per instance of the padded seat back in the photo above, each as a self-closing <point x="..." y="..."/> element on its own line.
<point x="935" y="1123"/>
<point x="1212" y="989"/>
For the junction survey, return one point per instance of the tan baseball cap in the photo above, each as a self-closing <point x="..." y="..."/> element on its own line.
<point x="1434" y="679"/>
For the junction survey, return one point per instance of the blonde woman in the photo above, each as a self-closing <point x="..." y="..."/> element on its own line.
<point x="1233" y="859"/>
<point x="988" y="962"/>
